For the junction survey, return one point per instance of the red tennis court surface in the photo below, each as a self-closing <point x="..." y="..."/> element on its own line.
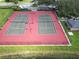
<point x="31" y="35"/>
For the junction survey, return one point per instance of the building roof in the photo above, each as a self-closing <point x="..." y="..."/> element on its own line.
<point x="74" y="23"/>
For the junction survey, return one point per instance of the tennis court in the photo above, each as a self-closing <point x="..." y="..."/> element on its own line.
<point x="46" y="25"/>
<point x="33" y="28"/>
<point x="18" y="24"/>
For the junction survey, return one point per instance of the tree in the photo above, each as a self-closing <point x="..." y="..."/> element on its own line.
<point x="68" y="7"/>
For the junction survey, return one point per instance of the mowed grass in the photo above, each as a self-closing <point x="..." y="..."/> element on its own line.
<point x="4" y="14"/>
<point x="73" y="39"/>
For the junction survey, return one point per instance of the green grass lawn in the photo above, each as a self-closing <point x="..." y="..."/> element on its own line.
<point x="4" y="14"/>
<point x="8" y="49"/>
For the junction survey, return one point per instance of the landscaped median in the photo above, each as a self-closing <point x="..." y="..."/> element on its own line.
<point x="41" y="55"/>
<point x="4" y="14"/>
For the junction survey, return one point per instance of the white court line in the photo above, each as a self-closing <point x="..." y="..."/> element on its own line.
<point x="65" y="33"/>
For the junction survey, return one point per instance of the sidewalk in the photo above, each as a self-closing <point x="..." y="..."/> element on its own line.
<point x="7" y="4"/>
